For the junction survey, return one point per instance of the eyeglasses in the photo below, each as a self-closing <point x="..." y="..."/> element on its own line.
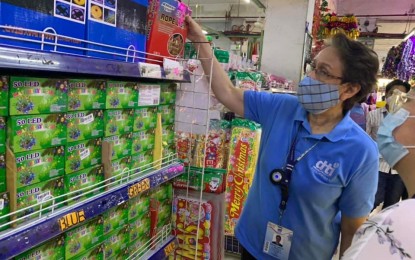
<point x="322" y="74"/>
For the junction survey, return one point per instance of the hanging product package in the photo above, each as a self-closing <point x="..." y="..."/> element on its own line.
<point x="249" y="80"/>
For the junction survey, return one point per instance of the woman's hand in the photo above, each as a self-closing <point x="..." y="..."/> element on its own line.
<point x="194" y="31"/>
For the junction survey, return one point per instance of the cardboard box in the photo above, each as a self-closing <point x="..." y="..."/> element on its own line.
<point x="117" y="23"/>
<point x="83" y="179"/>
<point x="121" y="94"/>
<point x="166" y="28"/>
<point x="36" y="193"/>
<point x="149" y="94"/>
<point x="140" y="228"/>
<point x="145" y="118"/>
<point x="52" y="249"/>
<point x="83" y="238"/>
<point x="34" y="132"/>
<point x="118" y="168"/>
<point x="167" y="114"/>
<point x="65" y="18"/>
<point x="116" y="244"/>
<point x="84" y="125"/>
<point x="4" y="95"/>
<point x="163" y="194"/>
<point x="143" y="141"/>
<point x="138" y="246"/>
<point x="116" y="217"/>
<point x="168" y="134"/>
<point x="83" y="154"/>
<point x="3" y="136"/>
<point x="30" y="96"/>
<point x="39" y="166"/>
<point x="86" y="94"/>
<point x="214" y="180"/>
<point x="95" y="253"/>
<point x="120" y="145"/>
<point x="168" y="93"/>
<point x="3" y="180"/>
<point x="4" y="209"/>
<point x="118" y="122"/>
<point x="139" y="207"/>
<point x="142" y="161"/>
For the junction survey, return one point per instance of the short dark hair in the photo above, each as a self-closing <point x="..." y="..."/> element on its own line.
<point x="360" y="66"/>
<point x="397" y="82"/>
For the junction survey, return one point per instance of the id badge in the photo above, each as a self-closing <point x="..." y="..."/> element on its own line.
<point x="278" y="241"/>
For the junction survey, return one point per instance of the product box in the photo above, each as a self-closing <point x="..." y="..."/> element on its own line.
<point x="39" y="166"/>
<point x="168" y="134"/>
<point x="83" y="179"/>
<point x="66" y="18"/>
<point x="164" y="212"/>
<point x="36" y="193"/>
<point x="169" y="151"/>
<point x="52" y="249"/>
<point x="34" y="132"/>
<point x="3" y="135"/>
<point x="124" y="24"/>
<point x="83" y="154"/>
<point x="84" y="125"/>
<point x="4" y="209"/>
<point x="121" y="95"/>
<point x="214" y="180"/>
<point x="166" y="28"/>
<point x="29" y="96"/>
<point x="96" y="253"/>
<point x="140" y="228"/>
<point x="4" y="95"/>
<point x="116" y="217"/>
<point x="168" y="93"/>
<point x="118" y="122"/>
<point x="145" y="118"/>
<point x="118" y="168"/>
<point x="167" y="114"/>
<point x="116" y="243"/>
<point x="163" y="194"/>
<point x="139" y="247"/>
<point x="3" y="180"/>
<point x="143" y="141"/>
<point x="149" y="94"/>
<point x="139" y="206"/>
<point x="86" y="94"/>
<point x="82" y="238"/>
<point x="121" y="145"/>
<point x="142" y="161"/>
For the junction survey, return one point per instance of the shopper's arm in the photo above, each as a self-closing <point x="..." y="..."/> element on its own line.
<point x="222" y="87"/>
<point x="349" y="227"/>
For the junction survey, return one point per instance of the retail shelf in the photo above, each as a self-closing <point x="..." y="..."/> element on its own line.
<point x="162" y="251"/>
<point x="131" y="184"/>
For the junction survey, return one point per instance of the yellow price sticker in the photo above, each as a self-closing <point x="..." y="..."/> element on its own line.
<point x="169" y="249"/>
<point x="135" y="189"/>
<point x="71" y="219"/>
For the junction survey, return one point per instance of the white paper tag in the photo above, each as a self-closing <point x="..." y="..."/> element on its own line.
<point x="42" y="197"/>
<point x="87" y="119"/>
<point x="278" y="241"/>
<point x="1" y="204"/>
<point x="149" y="95"/>
<point x="84" y="154"/>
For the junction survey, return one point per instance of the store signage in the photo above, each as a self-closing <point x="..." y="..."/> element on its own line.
<point x="71" y="219"/>
<point x="135" y="189"/>
<point x="169" y="249"/>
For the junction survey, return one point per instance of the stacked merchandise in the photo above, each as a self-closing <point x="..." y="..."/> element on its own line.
<point x="139" y="222"/>
<point x="161" y="200"/>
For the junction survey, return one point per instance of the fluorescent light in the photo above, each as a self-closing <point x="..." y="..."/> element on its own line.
<point x="247" y="1"/>
<point x="204" y="32"/>
<point x="409" y="34"/>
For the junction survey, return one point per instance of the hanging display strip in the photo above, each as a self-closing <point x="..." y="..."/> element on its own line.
<point x="21" y="239"/>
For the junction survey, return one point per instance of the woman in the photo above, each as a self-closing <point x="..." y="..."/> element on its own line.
<point x="314" y="161"/>
<point x="389" y="234"/>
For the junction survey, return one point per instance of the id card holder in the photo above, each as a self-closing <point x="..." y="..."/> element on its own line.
<point x="278" y="241"/>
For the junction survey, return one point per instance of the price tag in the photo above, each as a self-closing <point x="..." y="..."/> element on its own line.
<point x="71" y="219"/>
<point x="135" y="189"/>
<point x="169" y="249"/>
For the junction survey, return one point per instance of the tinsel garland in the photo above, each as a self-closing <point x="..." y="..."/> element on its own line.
<point x="406" y="68"/>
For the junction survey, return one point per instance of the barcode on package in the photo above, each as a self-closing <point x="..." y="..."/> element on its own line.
<point x="84" y="154"/>
<point x="87" y="119"/>
<point x="121" y="90"/>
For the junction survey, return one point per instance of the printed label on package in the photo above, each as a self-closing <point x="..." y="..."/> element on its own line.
<point x="149" y="95"/>
<point x="84" y="154"/>
<point x="103" y="11"/>
<point x="87" y="119"/>
<point x="70" y="10"/>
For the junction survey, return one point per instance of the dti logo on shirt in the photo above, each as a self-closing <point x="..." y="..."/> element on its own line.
<point x="326" y="169"/>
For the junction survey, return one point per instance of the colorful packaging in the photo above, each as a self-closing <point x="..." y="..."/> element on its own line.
<point x="52" y="249"/>
<point x="121" y="145"/>
<point x="139" y="207"/>
<point x="223" y="58"/>
<point x="121" y="95"/>
<point x="124" y="24"/>
<point x="185" y="145"/>
<point x="4" y="95"/>
<point x="84" y="125"/>
<point x="39" y="192"/>
<point x="96" y="253"/>
<point x="143" y="141"/>
<point x="116" y="243"/>
<point x="168" y="134"/>
<point x="118" y="122"/>
<point x="168" y="151"/>
<point x="3" y="179"/>
<point x="86" y="94"/>
<point x="83" y="154"/>
<point x="166" y="29"/>
<point x="4" y="209"/>
<point x="116" y="217"/>
<point x="149" y="95"/>
<point x="39" y="166"/>
<point x="142" y="161"/>
<point x="145" y="118"/>
<point x="140" y="229"/>
<point x="83" y="238"/>
<point x="167" y="114"/>
<point x="243" y="156"/>
<point x="3" y="135"/>
<point x="164" y="212"/>
<point x="82" y="179"/>
<point x="163" y="194"/>
<point x="168" y="93"/>
<point x="214" y="180"/>
<point x="139" y="247"/>
<point x="249" y="80"/>
<point x="119" y="168"/>
<point x="34" y="132"/>
<point x="37" y="95"/>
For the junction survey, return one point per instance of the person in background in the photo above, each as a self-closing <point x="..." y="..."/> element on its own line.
<point x="390" y="233"/>
<point x="314" y="162"/>
<point x="390" y="186"/>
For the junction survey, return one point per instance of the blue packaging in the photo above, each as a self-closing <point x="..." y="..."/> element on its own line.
<point x="63" y="17"/>
<point x="120" y="23"/>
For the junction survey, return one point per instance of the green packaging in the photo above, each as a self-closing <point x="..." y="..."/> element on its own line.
<point x="116" y="244"/>
<point x="168" y="134"/>
<point x="169" y="150"/>
<point x="82" y="238"/>
<point x="118" y="122"/>
<point x="168" y="93"/>
<point x="83" y="154"/>
<point x="139" y="206"/>
<point x="52" y="249"/>
<point x="3" y="135"/>
<point x="29" y="96"/>
<point x="164" y="215"/>
<point x="36" y="132"/>
<point x="140" y="228"/>
<point x="214" y="180"/>
<point x="121" y="95"/>
<point x="167" y="114"/>
<point x="36" y="193"/>
<point x="163" y="194"/>
<point x="139" y="247"/>
<point x="84" y="125"/>
<point x="96" y="253"/>
<point x="143" y="141"/>
<point x="116" y="217"/>
<point x="121" y="145"/>
<point x="86" y="94"/>
<point x="3" y="180"/>
<point x="142" y="161"/>
<point x="4" y="95"/>
<point x="118" y="167"/>
<point x="84" y="179"/>
<point x="38" y="166"/>
<point x="145" y="118"/>
<point x="4" y="209"/>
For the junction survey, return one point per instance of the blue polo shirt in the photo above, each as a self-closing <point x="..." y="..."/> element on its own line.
<point x="339" y="175"/>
